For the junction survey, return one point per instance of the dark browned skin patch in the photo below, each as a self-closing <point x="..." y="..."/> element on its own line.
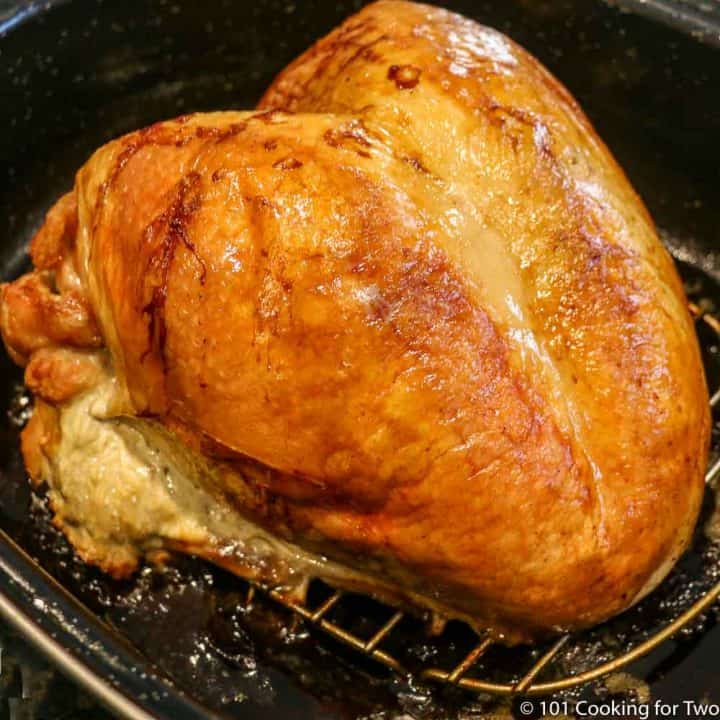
<point x="416" y="164"/>
<point x="287" y="163"/>
<point x="124" y="157"/>
<point x="352" y="135"/>
<point x="160" y="134"/>
<point x="405" y="77"/>
<point x="220" y="134"/>
<point x="176" y="218"/>
<point x="231" y="131"/>
<point x="269" y="117"/>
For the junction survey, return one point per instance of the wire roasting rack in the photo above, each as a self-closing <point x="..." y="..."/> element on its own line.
<point x="530" y="681"/>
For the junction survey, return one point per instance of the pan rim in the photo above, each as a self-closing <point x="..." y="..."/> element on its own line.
<point x="63" y="646"/>
<point x="68" y="664"/>
<point x="703" y="25"/>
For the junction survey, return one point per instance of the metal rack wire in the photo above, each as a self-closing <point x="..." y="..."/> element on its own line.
<point x="530" y="680"/>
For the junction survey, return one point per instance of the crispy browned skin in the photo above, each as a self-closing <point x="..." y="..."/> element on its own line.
<point x="425" y="325"/>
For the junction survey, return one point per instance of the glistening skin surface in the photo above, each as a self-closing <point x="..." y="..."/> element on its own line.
<point x="423" y="327"/>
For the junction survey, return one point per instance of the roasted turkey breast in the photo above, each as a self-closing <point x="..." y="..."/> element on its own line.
<point x="406" y="328"/>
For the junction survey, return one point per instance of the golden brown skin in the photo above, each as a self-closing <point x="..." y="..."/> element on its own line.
<point x="424" y="325"/>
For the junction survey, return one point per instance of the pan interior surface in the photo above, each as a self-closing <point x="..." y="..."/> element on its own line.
<point x="75" y="74"/>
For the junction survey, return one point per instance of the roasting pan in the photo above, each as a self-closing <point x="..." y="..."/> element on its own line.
<point x="194" y="642"/>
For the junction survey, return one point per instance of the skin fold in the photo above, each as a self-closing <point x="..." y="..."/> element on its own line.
<point x="409" y="314"/>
